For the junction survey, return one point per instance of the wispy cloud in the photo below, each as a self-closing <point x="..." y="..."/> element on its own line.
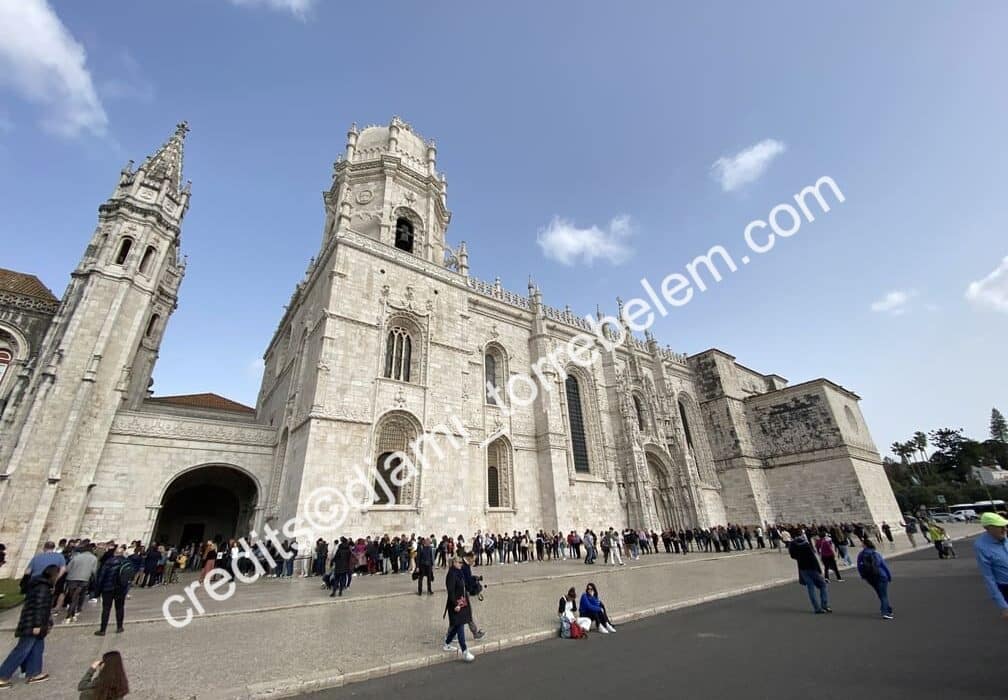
<point x="298" y="8"/>
<point x="40" y="60"/>
<point x="566" y="243"/>
<point x="746" y="166"/>
<point x="992" y="290"/>
<point x="254" y="368"/>
<point x="131" y="82"/>
<point x="894" y="303"/>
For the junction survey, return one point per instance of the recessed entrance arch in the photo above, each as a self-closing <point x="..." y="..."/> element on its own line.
<point x="212" y="502"/>
<point x="665" y="492"/>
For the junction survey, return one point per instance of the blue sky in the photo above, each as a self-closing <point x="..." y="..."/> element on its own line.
<point x="552" y="122"/>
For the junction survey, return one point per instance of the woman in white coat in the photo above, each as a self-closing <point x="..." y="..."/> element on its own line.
<point x="567" y="610"/>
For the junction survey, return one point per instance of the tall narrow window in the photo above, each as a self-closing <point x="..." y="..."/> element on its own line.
<point x="398" y="354"/>
<point x="493" y="487"/>
<point x="124" y="250"/>
<point x="490" y="370"/>
<point x="386" y="491"/>
<point x="498" y="473"/>
<point x="685" y="425"/>
<point x="404" y="234"/>
<point x="152" y="325"/>
<point x="5" y="362"/>
<point x="640" y="413"/>
<point x="579" y="443"/>
<point x="148" y="260"/>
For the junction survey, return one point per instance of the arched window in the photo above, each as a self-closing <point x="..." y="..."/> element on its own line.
<point x="152" y="325"/>
<point x="124" y="250"/>
<point x="499" y="474"/>
<point x="148" y="260"/>
<point x="685" y="425"/>
<point x="6" y="358"/>
<point x="575" y="415"/>
<point x="386" y="490"/>
<point x="494" y="372"/>
<point x="640" y="413"/>
<point x="398" y="354"/>
<point x="396" y="475"/>
<point x="404" y="234"/>
<point x="493" y="487"/>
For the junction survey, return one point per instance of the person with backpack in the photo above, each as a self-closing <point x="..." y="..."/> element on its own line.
<point x="872" y="568"/>
<point x="572" y="626"/>
<point x="828" y="555"/>
<point x="114" y="580"/>
<point x="474" y="588"/>
<point x="33" y="625"/>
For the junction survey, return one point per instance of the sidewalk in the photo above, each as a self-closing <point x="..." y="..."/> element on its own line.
<point x="276" y="638"/>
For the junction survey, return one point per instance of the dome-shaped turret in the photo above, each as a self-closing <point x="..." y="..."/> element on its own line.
<point x="396" y="139"/>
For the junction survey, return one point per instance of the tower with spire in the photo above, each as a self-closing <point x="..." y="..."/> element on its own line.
<point x="99" y="351"/>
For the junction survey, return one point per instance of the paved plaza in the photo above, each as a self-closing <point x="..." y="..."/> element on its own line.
<point x="282" y="637"/>
<point x="946" y="642"/>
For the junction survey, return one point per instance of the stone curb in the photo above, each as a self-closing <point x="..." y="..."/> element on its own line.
<point x="291" y="687"/>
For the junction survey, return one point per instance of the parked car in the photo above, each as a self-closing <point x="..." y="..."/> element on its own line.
<point x="948" y="518"/>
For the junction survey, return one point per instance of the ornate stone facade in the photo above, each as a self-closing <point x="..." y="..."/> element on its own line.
<point x="387" y="343"/>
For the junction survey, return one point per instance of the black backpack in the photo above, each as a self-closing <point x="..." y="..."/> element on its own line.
<point x="124" y="576"/>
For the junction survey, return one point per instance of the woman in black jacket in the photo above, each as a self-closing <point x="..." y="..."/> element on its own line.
<point x="341" y="567"/>
<point x="457" y="609"/>
<point x="33" y="626"/>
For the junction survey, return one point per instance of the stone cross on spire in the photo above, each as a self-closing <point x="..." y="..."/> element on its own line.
<point x="167" y="161"/>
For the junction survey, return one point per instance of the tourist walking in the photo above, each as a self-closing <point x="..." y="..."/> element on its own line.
<point x="992" y="559"/>
<point x="592" y="607"/>
<point x="34" y="624"/>
<point x="474" y="587"/>
<point x="457" y="610"/>
<point x="872" y="567"/>
<point x="341" y="567"/>
<point x="113" y="584"/>
<point x="887" y="531"/>
<point x="105" y="679"/>
<point x="810" y="574"/>
<point x="828" y="555"/>
<point x="82" y="566"/>
<point x="911" y="529"/>
<point x="209" y="560"/>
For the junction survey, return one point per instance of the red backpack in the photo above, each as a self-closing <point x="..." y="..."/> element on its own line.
<point x="577" y="631"/>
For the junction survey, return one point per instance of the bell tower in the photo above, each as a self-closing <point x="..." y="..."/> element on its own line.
<point x="386" y="186"/>
<point x="98" y="353"/>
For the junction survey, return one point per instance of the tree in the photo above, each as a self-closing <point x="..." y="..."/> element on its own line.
<point x="920" y="443"/>
<point x="998" y="426"/>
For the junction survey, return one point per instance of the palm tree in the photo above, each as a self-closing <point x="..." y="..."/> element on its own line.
<point x="920" y="443"/>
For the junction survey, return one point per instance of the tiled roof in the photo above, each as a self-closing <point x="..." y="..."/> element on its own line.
<point x="26" y="285"/>
<point x="208" y="400"/>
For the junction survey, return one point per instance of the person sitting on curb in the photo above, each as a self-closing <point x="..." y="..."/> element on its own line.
<point x="592" y="607"/>
<point x="105" y="679"/>
<point x="567" y="611"/>
<point x="809" y="573"/>
<point x="872" y="567"/>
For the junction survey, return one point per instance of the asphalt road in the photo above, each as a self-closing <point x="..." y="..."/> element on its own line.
<point x="947" y="641"/>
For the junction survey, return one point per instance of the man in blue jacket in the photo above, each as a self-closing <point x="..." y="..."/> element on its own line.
<point x="872" y="568"/>
<point x="992" y="559"/>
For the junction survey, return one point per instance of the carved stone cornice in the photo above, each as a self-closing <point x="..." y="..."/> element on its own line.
<point x="26" y="303"/>
<point x="169" y="426"/>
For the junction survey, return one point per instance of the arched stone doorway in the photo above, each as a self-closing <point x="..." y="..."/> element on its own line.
<point x="669" y="502"/>
<point x="213" y="502"/>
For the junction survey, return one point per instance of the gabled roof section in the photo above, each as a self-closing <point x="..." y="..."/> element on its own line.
<point x="209" y="400"/>
<point x="24" y="284"/>
<point x="167" y="161"/>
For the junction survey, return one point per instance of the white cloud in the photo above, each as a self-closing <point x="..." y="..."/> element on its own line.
<point x="894" y="303"/>
<point x="746" y="166"/>
<point x="41" y="60"/>
<point x="568" y="244"/>
<point x="254" y="369"/>
<point x="992" y="290"/>
<point x="298" y="8"/>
